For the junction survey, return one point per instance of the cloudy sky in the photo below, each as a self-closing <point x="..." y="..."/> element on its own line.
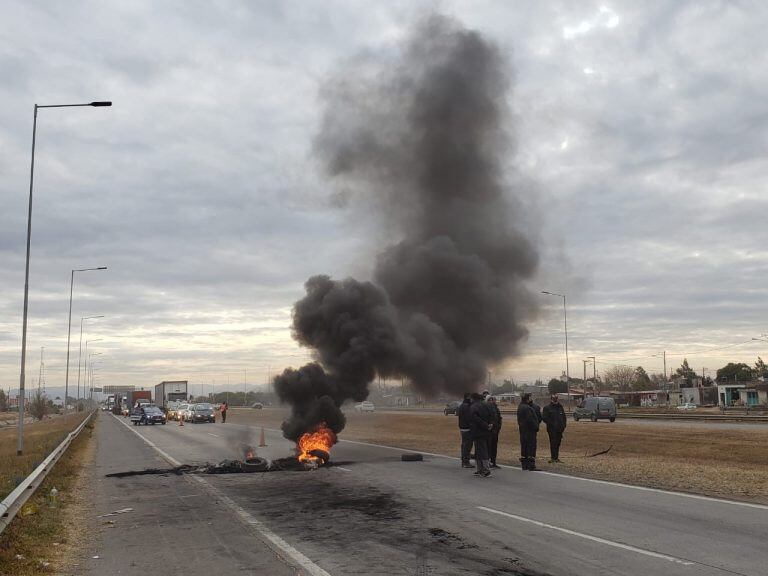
<point x="641" y="127"/>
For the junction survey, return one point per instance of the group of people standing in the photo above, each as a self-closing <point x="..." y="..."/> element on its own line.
<point x="480" y="424"/>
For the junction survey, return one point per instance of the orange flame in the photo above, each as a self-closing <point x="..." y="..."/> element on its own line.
<point x="322" y="438"/>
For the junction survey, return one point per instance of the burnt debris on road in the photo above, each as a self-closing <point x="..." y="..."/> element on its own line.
<point x="249" y="465"/>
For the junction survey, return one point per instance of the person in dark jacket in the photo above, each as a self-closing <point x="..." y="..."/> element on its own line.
<point x="481" y="424"/>
<point x="465" y="429"/>
<point x="493" y="444"/>
<point x="554" y="418"/>
<point x="528" y="424"/>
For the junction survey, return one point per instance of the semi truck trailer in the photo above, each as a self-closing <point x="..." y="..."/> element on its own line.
<point x="170" y="391"/>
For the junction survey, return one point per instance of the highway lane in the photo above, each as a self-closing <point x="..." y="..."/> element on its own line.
<point x="374" y="514"/>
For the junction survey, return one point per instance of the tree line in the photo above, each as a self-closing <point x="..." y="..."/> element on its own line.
<point x="635" y="378"/>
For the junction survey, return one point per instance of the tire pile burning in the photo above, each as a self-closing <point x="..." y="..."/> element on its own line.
<point x="417" y="139"/>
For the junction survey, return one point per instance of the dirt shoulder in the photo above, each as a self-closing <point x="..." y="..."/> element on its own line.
<point x="726" y="463"/>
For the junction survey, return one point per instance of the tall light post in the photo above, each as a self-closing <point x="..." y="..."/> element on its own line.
<point x="87" y="358"/>
<point x="20" y="447"/>
<point x="567" y="367"/>
<point x="80" y="349"/>
<point x="69" y="327"/>
<point x="91" y="362"/>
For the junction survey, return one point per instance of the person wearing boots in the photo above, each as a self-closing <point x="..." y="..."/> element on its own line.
<point x="554" y="417"/>
<point x="481" y="421"/>
<point x="465" y="429"/>
<point x="528" y="424"/>
<point x="493" y="445"/>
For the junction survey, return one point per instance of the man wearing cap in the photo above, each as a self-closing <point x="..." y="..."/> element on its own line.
<point x="554" y="417"/>
<point x="493" y="445"/>
<point x="528" y="424"/>
<point x="481" y="421"/>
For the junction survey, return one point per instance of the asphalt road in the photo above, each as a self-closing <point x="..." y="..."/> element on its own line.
<point x="372" y="514"/>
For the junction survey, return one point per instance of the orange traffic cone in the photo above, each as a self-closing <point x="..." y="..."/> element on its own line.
<point x="262" y="440"/>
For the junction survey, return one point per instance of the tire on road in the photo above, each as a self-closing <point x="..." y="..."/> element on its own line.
<point x="255" y="464"/>
<point x="411" y="457"/>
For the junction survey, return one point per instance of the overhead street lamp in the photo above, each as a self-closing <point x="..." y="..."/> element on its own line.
<point x="80" y="349"/>
<point x="91" y="362"/>
<point x="69" y="328"/>
<point x="20" y="447"/>
<point x="567" y="367"/>
<point x="86" y="361"/>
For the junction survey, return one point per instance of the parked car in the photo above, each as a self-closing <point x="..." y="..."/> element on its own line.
<point x="147" y="414"/>
<point x="366" y="406"/>
<point x="451" y="408"/>
<point x="595" y="408"/>
<point x="687" y="406"/>
<point x="202" y="413"/>
<point x="257" y="405"/>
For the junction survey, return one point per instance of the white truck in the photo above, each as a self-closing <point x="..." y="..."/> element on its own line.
<point x="170" y="391"/>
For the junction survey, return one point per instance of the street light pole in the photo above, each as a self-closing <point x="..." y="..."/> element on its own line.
<point x="80" y="350"/>
<point x="69" y="330"/>
<point x="20" y="446"/>
<point x="567" y="367"/>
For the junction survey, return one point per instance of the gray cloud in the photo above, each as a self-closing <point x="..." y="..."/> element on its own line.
<point x="198" y="190"/>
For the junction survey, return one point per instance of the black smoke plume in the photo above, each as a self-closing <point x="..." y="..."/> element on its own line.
<point x="419" y="139"/>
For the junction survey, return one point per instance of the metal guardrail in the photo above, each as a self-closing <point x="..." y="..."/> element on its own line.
<point x="12" y="503"/>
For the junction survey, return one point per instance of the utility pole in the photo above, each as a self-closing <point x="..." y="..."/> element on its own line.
<point x="245" y="387"/>
<point x="664" y="355"/>
<point x="594" y="371"/>
<point x="585" y="374"/>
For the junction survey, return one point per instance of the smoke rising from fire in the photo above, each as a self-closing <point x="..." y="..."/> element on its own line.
<point x="419" y="138"/>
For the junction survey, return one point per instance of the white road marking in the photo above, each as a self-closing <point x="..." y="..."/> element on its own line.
<point x="590" y="537"/>
<point x="278" y="544"/>
<point x="211" y="434"/>
<point x="342" y="468"/>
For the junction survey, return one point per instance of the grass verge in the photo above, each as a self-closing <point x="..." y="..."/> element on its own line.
<point x="40" y="438"/>
<point x="724" y="462"/>
<point x="42" y="538"/>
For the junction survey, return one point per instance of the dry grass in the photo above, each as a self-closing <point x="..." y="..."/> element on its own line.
<point x="40" y="438"/>
<point x="42" y="539"/>
<point x="723" y="462"/>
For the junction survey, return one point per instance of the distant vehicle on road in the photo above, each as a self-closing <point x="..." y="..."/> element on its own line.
<point x="451" y="408"/>
<point x="595" y="408"/>
<point x="182" y="412"/>
<point x="172" y="410"/>
<point x="257" y="405"/>
<point x="147" y="414"/>
<point x="366" y="406"/>
<point x="687" y="406"/>
<point x="170" y="391"/>
<point x="202" y="413"/>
